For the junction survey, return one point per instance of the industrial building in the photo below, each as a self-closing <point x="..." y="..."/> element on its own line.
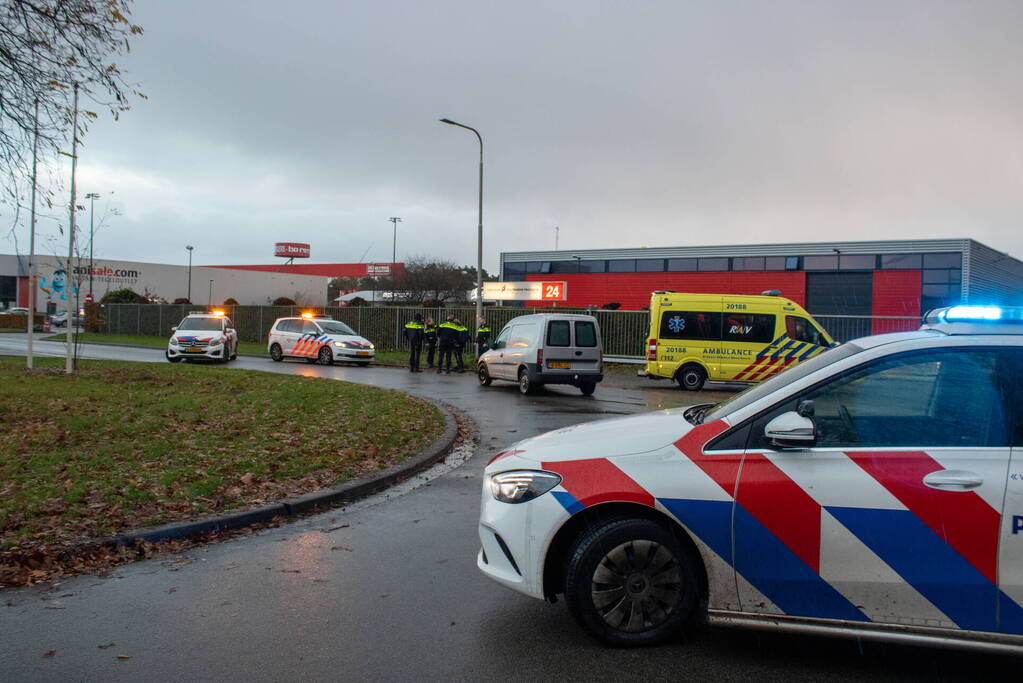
<point x="878" y="278"/>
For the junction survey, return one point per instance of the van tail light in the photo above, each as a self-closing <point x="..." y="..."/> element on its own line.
<point x="539" y="357"/>
<point x="651" y="350"/>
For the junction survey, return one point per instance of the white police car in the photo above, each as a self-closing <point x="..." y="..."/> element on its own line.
<point x="874" y="491"/>
<point x="203" y="336"/>
<point x="318" y="339"/>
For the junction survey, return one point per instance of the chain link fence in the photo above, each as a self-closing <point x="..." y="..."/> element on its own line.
<point x="624" y="332"/>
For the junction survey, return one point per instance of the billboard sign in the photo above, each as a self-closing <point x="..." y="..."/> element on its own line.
<point x="292" y="250"/>
<point x="525" y="291"/>
<point x="378" y="269"/>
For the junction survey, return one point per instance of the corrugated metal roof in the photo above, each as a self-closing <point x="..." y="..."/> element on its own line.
<point x="785" y="249"/>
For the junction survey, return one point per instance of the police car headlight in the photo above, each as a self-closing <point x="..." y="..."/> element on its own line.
<point x="173" y="341"/>
<point x="343" y="345"/>
<point x="519" y="486"/>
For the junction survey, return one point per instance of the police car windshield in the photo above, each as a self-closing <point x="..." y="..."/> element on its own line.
<point x="334" y="327"/>
<point x="758" y="391"/>
<point x="201" y="324"/>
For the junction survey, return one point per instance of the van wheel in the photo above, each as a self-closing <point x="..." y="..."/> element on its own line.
<point x="276" y="355"/>
<point x="483" y="375"/>
<point x="629" y="582"/>
<point x="691" y="377"/>
<point x="588" y="388"/>
<point x="525" y="385"/>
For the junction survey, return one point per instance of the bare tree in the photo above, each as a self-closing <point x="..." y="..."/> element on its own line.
<point x="47" y="46"/>
<point x="424" y="279"/>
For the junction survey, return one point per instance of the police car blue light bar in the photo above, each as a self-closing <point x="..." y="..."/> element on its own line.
<point x="976" y="314"/>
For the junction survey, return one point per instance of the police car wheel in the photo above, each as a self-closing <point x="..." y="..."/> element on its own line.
<point x="276" y="354"/>
<point x="629" y="582"/>
<point x="325" y="356"/>
<point x="483" y="375"/>
<point x="691" y="377"/>
<point x="174" y="359"/>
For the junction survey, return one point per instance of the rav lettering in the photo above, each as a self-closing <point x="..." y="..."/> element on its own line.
<point x="1017" y="524"/>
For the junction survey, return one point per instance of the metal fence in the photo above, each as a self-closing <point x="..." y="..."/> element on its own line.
<point x="624" y="332"/>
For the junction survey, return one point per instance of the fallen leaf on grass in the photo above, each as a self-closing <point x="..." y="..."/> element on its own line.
<point x="172" y="589"/>
<point x="124" y="656"/>
<point x="49" y="653"/>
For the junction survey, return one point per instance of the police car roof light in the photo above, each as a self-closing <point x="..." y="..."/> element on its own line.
<point x="218" y="313"/>
<point x="307" y="315"/>
<point x="976" y="314"/>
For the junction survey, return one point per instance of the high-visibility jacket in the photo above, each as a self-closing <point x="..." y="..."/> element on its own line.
<point x="447" y="333"/>
<point x="483" y="335"/>
<point x="430" y="334"/>
<point x="463" y="335"/>
<point x="414" y="332"/>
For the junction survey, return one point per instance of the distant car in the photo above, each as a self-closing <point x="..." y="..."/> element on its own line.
<point x="15" y="311"/>
<point x="874" y="491"/>
<point x="547" y="348"/>
<point x="318" y="340"/>
<point x="60" y="319"/>
<point x="203" y="336"/>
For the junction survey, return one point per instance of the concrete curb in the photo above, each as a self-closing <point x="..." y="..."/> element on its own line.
<point x="343" y="493"/>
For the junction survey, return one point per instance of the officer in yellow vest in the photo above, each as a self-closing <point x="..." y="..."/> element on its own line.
<point x="447" y="333"/>
<point x="414" y="334"/>
<point x="461" y="340"/>
<point x="430" y="338"/>
<point x="482" y="336"/>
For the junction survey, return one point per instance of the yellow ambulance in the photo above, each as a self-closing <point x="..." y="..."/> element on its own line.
<point x="728" y="338"/>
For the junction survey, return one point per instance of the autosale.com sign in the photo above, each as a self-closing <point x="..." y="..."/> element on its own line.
<point x="292" y="250"/>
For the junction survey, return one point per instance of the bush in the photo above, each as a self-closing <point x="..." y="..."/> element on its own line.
<point x="611" y="306"/>
<point x="124" y="296"/>
<point x="433" y="303"/>
<point x="284" y="301"/>
<point x="182" y="300"/>
<point x="230" y="301"/>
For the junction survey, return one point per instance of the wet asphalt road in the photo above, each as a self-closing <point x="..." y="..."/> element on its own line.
<point x="388" y="588"/>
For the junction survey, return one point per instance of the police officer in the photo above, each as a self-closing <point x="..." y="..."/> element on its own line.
<point x="482" y="336"/>
<point x="461" y="339"/>
<point x="447" y="332"/>
<point x="414" y="334"/>
<point x="430" y="338"/>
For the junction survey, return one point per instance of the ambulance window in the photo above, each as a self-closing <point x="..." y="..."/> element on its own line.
<point x="690" y="325"/>
<point x="748" y="327"/>
<point x="802" y="330"/>
<point x="558" y="333"/>
<point x="585" y="334"/>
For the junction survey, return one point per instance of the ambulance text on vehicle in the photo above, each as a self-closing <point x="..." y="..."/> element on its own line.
<point x="728" y="338"/>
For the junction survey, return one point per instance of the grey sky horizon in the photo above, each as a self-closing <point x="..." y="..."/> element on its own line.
<point x="625" y="124"/>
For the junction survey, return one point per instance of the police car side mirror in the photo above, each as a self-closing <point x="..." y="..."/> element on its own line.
<point x="174" y="329"/>
<point x="791" y="430"/>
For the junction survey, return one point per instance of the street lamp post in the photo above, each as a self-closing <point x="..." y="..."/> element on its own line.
<point x="189" y="295"/>
<point x="394" y="246"/>
<point x="92" y="197"/>
<point x="479" y="236"/>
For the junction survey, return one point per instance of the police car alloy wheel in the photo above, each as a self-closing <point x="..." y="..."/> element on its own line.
<point x="325" y="356"/>
<point x="276" y="354"/>
<point x="483" y="375"/>
<point x="629" y="582"/>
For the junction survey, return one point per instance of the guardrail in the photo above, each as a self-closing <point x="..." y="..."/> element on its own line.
<point x="624" y="332"/>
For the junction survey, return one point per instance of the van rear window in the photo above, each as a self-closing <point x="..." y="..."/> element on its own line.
<point x="585" y="333"/>
<point x="690" y="325"/>
<point x="757" y="328"/>
<point x="558" y="333"/>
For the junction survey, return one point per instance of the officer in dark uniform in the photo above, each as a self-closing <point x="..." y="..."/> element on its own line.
<point x="447" y="333"/>
<point x="461" y="339"/>
<point x="414" y="334"/>
<point x="430" y="339"/>
<point x="482" y="336"/>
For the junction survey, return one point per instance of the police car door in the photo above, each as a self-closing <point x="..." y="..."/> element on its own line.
<point x="1010" y="555"/>
<point x="894" y="516"/>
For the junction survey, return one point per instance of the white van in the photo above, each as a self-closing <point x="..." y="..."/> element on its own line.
<point x="547" y="348"/>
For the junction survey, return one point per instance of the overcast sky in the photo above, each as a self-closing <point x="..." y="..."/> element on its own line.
<point x="626" y="124"/>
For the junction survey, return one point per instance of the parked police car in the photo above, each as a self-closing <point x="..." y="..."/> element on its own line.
<point x="875" y="490"/>
<point x="203" y="336"/>
<point x="318" y="339"/>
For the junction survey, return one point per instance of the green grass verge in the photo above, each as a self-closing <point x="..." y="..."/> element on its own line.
<point x="120" y="445"/>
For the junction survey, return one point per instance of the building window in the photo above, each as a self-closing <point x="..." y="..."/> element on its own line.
<point x="650" y="265"/>
<point x="902" y="261"/>
<point x="776" y="263"/>
<point x="712" y="264"/>
<point x="857" y="262"/>
<point x="538" y="267"/>
<point x="943" y="260"/>
<point x="622" y="266"/>
<point x="942" y="276"/>
<point x="752" y="263"/>
<point x="820" y="262"/>
<point x="681" y="265"/>
<point x="515" y="268"/>
<point x="592" y="266"/>
<point x="791" y="263"/>
<point x="564" y="266"/>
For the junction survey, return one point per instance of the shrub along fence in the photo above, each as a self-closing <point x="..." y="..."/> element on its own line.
<point x="624" y="332"/>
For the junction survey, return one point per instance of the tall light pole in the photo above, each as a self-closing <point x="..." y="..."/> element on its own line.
<point x="189" y="295"/>
<point x="92" y="197"/>
<point x="394" y="246"/>
<point x="479" y="236"/>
